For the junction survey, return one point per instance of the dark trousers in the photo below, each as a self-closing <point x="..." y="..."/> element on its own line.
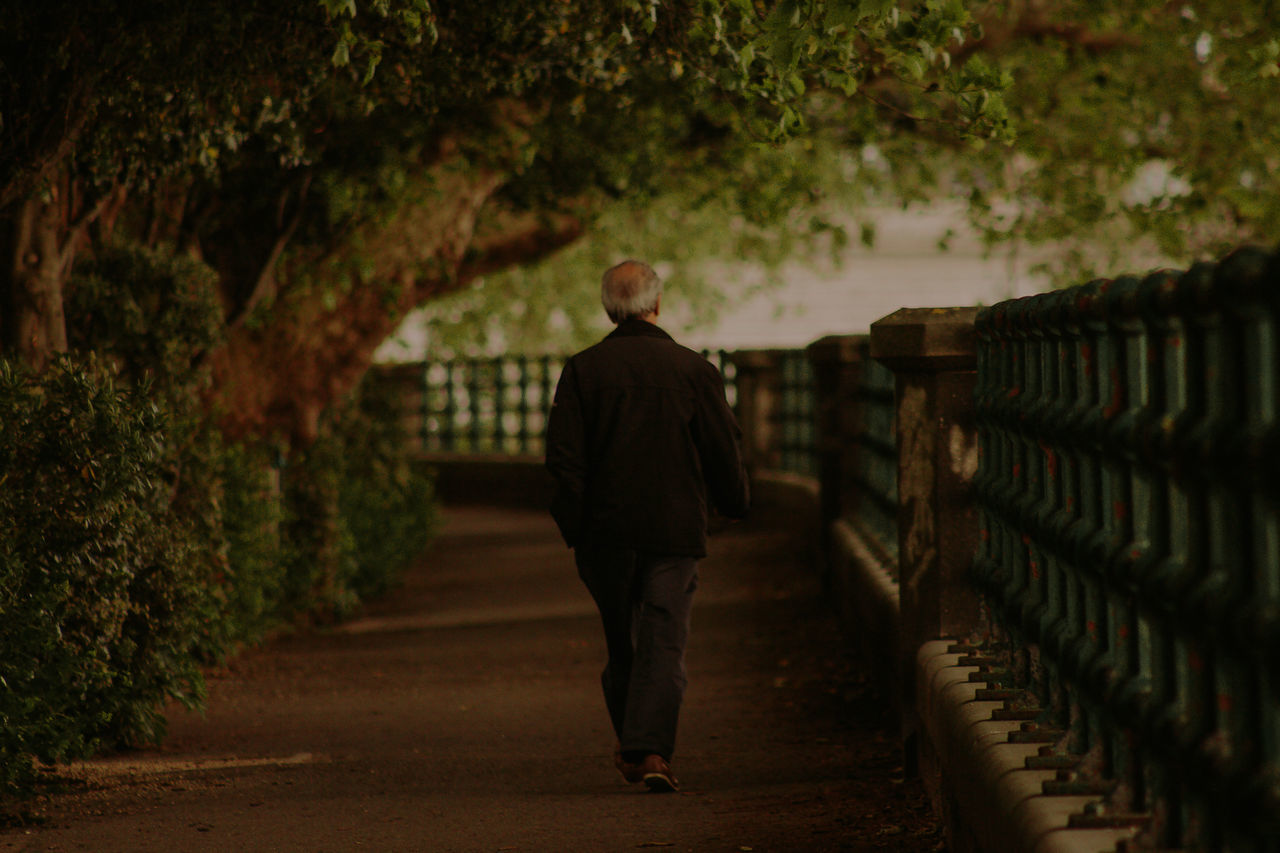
<point x="644" y="601"/>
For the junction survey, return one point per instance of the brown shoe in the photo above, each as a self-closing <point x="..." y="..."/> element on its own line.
<point x="656" y="773"/>
<point x="631" y="772"/>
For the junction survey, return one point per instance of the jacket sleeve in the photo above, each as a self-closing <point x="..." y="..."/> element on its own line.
<point x="719" y="441"/>
<point x="566" y="456"/>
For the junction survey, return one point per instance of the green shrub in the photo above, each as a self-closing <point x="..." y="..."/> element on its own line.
<point x="137" y="544"/>
<point x="385" y="502"/>
<point x="361" y="510"/>
<point x="154" y="314"/>
<point x="95" y="605"/>
<point x="254" y="555"/>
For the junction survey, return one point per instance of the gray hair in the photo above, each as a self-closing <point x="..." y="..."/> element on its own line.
<point x="630" y="289"/>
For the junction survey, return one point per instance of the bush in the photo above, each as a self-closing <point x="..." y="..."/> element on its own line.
<point x="155" y="315"/>
<point x="137" y="544"/>
<point x="361" y="510"/>
<point x="311" y="538"/>
<point x="152" y="316"/>
<point x="386" y="504"/>
<point x="254" y="555"/>
<point x="96" y="606"/>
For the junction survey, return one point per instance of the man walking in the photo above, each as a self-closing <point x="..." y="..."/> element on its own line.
<point x="640" y="443"/>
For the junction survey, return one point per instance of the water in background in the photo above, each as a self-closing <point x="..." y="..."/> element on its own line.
<point x="905" y="269"/>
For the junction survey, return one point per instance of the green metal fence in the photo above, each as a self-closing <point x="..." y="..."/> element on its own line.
<point x="797" y="450"/>
<point x="874" y="477"/>
<point x="489" y="406"/>
<point x="1130" y="495"/>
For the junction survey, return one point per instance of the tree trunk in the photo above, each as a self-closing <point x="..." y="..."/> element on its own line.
<point x="39" y="239"/>
<point x="278" y="379"/>
<point x="37" y="262"/>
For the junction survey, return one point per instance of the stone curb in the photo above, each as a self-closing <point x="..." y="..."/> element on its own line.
<point x="983" y="777"/>
<point x="864" y="593"/>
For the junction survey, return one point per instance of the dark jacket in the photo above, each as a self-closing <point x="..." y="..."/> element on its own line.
<point x="639" y="441"/>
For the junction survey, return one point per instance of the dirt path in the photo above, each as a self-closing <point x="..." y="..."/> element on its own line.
<point x="463" y="713"/>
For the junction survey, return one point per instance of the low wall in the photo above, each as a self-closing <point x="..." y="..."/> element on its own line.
<point x="864" y="593"/>
<point x="513" y="481"/>
<point x="986" y="767"/>
<point x="523" y="481"/>
<point x="794" y="494"/>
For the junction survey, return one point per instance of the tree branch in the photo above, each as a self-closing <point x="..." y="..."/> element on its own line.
<point x="42" y="132"/>
<point x="541" y="237"/>
<point x="265" y="285"/>
<point x="76" y="230"/>
<point x="1032" y="22"/>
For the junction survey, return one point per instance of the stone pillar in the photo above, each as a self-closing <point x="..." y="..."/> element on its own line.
<point x="932" y="352"/>
<point x="759" y="379"/>
<point x="837" y="369"/>
<point x="407" y="382"/>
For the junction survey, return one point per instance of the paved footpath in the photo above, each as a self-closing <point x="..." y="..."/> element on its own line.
<point x="462" y="713"/>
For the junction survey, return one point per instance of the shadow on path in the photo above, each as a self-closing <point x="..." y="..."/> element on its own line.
<point x="462" y="713"/>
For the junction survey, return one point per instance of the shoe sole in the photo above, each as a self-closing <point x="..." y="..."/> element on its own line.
<point x="660" y="783"/>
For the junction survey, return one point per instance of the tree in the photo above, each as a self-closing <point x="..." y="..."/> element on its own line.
<point x="1152" y="122"/>
<point x="102" y="99"/>
<point x="338" y="162"/>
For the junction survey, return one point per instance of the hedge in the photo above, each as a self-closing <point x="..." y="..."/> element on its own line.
<point x="138" y="545"/>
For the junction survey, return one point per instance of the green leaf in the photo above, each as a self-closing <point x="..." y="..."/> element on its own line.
<point x="371" y="68"/>
<point x="341" y="55"/>
<point x="914" y="65"/>
<point x="875" y="9"/>
<point x="867" y="234"/>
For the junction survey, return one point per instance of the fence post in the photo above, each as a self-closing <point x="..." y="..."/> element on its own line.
<point x="406" y="383"/>
<point x="932" y="352"/>
<point x="837" y="368"/>
<point x="759" y="380"/>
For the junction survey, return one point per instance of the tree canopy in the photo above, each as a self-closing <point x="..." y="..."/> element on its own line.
<point x="338" y="162"/>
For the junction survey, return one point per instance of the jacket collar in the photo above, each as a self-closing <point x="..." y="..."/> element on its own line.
<point x="635" y="327"/>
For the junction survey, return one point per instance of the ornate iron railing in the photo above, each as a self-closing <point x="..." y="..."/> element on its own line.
<point x="488" y="406"/>
<point x="797" y="450"/>
<point x="1129" y="488"/>
<point x="874" y="478"/>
